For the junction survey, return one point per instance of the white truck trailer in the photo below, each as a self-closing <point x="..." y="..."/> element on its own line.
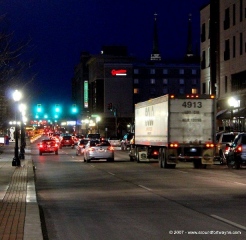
<point x="178" y="128"/>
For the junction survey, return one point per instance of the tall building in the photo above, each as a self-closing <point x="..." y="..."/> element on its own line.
<point x="116" y="81"/>
<point x="223" y="51"/>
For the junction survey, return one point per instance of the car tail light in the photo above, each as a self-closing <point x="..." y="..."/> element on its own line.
<point x="110" y="148"/>
<point x="156" y="153"/>
<point x="238" y="148"/>
<point x="40" y="145"/>
<point x="91" y="149"/>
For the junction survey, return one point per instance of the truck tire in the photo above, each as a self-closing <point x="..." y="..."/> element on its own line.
<point x="163" y="163"/>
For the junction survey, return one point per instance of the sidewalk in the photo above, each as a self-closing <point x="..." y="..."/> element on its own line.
<point x="19" y="211"/>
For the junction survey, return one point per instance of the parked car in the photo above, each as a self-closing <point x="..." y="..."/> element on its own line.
<point x="48" y="146"/>
<point x="237" y="153"/>
<point x="223" y="145"/>
<point x="126" y="141"/>
<point x="96" y="149"/>
<point x="80" y="147"/>
<point x="114" y="141"/>
<point x="67" y="141"/>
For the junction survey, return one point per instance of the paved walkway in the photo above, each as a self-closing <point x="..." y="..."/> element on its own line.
<point x="19" y="212"/>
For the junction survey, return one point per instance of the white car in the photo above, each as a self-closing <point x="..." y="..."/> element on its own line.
<point x="96" y="149"/>
<point x="114" y="141"/>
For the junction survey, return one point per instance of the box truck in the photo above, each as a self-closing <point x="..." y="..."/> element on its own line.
<point x="175" y="128"/>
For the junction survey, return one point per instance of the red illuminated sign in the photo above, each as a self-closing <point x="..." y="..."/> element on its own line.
<point x="120" y="72"/>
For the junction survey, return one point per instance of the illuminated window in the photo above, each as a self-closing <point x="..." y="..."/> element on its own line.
<point x="136" y="90"/>
<point x="152" y="81"/>
<point x="194" y="91"/>
<point x="181" y="81"/>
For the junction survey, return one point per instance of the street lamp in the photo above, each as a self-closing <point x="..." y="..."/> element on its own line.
<point x="16" y="161"/>
<point x="98" y="119"/>
<point x="22" y="108"/>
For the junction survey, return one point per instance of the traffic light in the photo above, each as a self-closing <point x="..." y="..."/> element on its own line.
<point x="39" y="109"/>
<point x="57" y="108"/>
<point x="110" y="106"/>
<point x="74" y="108"/>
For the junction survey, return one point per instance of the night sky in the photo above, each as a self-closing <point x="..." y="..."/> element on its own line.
<point x="61" y="29"/>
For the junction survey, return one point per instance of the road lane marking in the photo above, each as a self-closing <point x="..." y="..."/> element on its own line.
<point x="145" y="187"/>
<point x="230" y="222"/>
<point x="182" y="171"/>
<point x="111" y="173"/>
<point x="240" y="183"/>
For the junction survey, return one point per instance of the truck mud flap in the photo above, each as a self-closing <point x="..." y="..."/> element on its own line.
<point x="208" y="156"/>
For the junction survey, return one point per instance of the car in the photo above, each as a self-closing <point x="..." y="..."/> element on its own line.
<point x="96" y="149"/>
<point x="114" y="141"/>
<point x="95" y="136"/>
<point x="237" y="153"/>
<point x="222" y="146"/>
<point x="48" y="146"/>
<point x="67" y="141"/>
<point x="126" y="141"/>
<point x="80" y="147"/>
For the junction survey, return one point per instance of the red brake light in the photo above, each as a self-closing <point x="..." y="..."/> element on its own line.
<point x="155" y="153"/>
<point x="110" y="148"/>
<point x="91" y="149"/>
<point x="238" y="148"/>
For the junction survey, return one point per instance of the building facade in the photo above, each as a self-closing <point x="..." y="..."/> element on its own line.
<point x="223" y="51"/>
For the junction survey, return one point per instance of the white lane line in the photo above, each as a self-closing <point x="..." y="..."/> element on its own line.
<point x="240" y="183"/>
<point x="182" y="171"/>
<point x="111" y="173"/>
<point x="144" y="187"/>
<point x="230" y="222"/>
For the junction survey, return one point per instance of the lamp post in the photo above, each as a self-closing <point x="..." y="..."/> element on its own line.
<point x="22" y="109"/>
<point x="16" y="160"/>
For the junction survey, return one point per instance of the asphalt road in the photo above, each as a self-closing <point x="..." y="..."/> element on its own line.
<point x="129" y="200"/>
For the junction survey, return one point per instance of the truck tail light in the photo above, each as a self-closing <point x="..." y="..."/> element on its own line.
<point x="155" y="153"/>
<point x="209" y="145"/>
<point x="173" y="145"/>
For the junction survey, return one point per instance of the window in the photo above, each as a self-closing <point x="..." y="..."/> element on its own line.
<point x="227" y="50"/>
<point x="204" y="88"/>
<point x="136" y="81"/>
<point x="181" y="81"/>
<point x="181" y="71"/>
<point x="194" y="91"/>
<point x="193" y="81"/>
<point x="203" y="62"/>
<point x="152" y="81"/>
<point x="227" y="19"/>
<point x="164" y="90"/>
<point x="136" y="90"/>
<point x="193" y="71"/>
<point x="203" y="34"/>
<point x="165" y="81"/>
<point x="241" y="10"/>
<point x="209" y="57"/>
<point x="152" y="91"/>
<point x="241" y="44"/>
<point x="234" y="47"/>
<point x="165" y="71"/>
<point x="234" y="14"/>
<point x="152" y="71"/>
<point x="136" y="71"/>
<point x="181" y="90"/>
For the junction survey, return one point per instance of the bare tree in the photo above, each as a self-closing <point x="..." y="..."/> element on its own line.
<point x="13" y="65"/>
